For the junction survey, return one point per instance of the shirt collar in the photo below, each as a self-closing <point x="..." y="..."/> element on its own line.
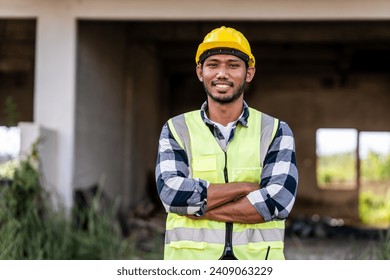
<point x="243" y="119"/>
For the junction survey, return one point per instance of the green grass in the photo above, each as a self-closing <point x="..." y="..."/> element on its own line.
<point x="383" y="251"/>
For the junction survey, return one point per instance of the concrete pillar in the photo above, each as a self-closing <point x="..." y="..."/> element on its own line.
<point x="54" y="102"/>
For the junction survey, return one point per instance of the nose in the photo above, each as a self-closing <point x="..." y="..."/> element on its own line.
<point x="222" y="73"/>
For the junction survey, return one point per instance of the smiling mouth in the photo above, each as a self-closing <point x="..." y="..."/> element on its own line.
<point x="223" y="85"/>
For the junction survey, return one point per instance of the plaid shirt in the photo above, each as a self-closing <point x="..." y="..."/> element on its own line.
<point x="183" y="195"/>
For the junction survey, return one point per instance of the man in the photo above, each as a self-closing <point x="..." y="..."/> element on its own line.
<point x="226" y="174"/>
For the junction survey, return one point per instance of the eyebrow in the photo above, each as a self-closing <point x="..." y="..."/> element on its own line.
<point x="228" y="60"/>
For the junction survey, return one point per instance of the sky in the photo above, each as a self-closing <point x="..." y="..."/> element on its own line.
<point x="338" y="140"/>
<point x="9" y="141"/>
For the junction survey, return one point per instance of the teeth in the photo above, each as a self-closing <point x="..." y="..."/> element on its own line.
<point x="222" y="85"/>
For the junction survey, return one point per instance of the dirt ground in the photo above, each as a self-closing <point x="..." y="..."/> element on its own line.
<point x="315" y="248"/>
<point x="308" y="239"/>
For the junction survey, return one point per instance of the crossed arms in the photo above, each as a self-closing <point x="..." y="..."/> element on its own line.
<point x="228" y="203"/>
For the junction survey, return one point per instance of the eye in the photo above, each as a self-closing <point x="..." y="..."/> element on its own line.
<point x="234" y="65"/>
<point x="212" y="65"/>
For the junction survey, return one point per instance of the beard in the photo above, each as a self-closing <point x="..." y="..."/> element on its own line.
<point x="225" y="98"/>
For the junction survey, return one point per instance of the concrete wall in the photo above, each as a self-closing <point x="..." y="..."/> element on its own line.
<point x="144" y="109"/>
<point x="117" y="112"/>
<point x="100" y="107"/>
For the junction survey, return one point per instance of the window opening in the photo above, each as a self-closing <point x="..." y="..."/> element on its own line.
<point x="374" y="196"/>
<point x="336" y="158"/>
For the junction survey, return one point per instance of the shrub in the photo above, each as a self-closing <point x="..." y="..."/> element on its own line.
<point x="374" y="209"/>
<point x="31" y="229"/>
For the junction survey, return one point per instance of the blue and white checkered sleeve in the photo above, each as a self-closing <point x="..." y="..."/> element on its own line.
<point x="279" y="178"/>
<point x="179" y="193"/>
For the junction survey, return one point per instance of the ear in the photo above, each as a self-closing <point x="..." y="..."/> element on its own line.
<point x="199" y="72"/>
<point x="250" y="73"/>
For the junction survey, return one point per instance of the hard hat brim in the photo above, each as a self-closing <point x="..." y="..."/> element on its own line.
<point x="215" y="51"/>
<point x="206" y="46"/>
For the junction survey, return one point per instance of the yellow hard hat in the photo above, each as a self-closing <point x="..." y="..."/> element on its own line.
<point x="225" y="40"/>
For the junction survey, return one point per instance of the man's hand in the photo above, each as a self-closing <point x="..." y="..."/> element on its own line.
<point x="220" y="194"/>
<point x="228" y="203"/>
<point x="240" y="211"/>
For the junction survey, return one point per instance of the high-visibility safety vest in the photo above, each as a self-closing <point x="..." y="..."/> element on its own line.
<point x="189" y="239"/>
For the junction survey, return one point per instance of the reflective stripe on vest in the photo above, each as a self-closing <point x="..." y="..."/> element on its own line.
<point x="218" y="235"/>
<point x="204" y="239"/>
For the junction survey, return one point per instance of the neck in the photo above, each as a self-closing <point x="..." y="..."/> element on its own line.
<point x="224" y="113"/>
